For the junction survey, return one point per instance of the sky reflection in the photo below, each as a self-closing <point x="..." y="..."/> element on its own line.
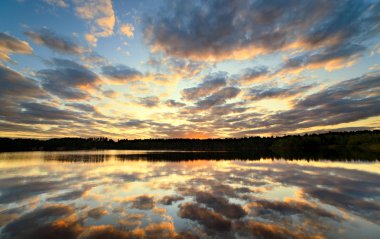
<point x="48" y="195"/>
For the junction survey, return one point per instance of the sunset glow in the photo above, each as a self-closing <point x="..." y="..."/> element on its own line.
<point x="188" y="69"/>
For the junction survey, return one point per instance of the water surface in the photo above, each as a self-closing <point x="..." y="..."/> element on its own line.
<point x="106" y="194"/>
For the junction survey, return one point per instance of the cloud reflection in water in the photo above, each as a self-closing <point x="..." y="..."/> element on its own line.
<point x="44" y="196"/>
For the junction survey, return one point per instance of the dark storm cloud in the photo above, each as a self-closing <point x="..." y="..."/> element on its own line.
<point x="149" y="101"/>
<point x="209" y="85"/>
<point x="12" y="45"/>
<point x="217" y="30"/>
<point x="55" y="42"/>
<point x="68" y="79"/>
<point x="121" y="73"/>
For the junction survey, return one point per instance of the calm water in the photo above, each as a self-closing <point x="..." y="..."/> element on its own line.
<point x="103" y="194"/>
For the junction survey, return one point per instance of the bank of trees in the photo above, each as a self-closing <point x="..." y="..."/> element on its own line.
<point x="366" y="141"/>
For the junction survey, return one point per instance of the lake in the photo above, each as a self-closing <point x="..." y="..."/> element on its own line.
<point x="124" y="194"/>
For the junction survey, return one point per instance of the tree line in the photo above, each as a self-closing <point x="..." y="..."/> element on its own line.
<point x="316" y="144"/>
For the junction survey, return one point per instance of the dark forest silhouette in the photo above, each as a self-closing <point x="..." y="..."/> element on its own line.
<point x="345" y="145"/>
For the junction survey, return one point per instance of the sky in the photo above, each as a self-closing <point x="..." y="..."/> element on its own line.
<point x="188" y="69"/>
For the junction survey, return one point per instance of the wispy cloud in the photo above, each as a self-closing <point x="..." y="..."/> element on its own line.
<point x="11" y="45"/>
<point x="99" y="14"/>
<point x="68" y="79"/>
<point x="51" y="40"/>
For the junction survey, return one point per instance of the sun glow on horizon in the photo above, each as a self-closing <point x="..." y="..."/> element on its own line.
<point x="126" y="70"/>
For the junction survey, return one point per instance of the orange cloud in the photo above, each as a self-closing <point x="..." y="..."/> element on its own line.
<point x="11" y="45"/>
<point x="127" y="29"/>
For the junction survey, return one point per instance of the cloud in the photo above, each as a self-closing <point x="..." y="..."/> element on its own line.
<point x="204" y="216"/>
<point x="252" y="74"/>
<point x="143" y="202"/>
<point x="261" y="208"/>
<point x="44" y="112"/>
<point x="16" y="86"/>
<point x="59" y="3"/>
<point x="160" y="230"/>
<point x="26" y="106"/>
<point x="55" y="42"/>
<point x="11" y="45"/>
<point x="135" y="123"/>
<point x="121" y="73"/>
<point x="219" y="97"/>
<point x="110" y="93"/>
<point x="175" y="67"/>
<point x="45" y="222"/>
<point x="210" y="84"/>
<point x="337" y="191"/>
<point x="100" y="15"/>
<point x="330" y="59"/>
<point x="169" y="199"/>
<point x="344" y="102"/>
<point x="68" y="80"/>
<point x="127" y="29"/>
<point x="94" y="58"/>
<point x="91" y="38"/>
<point x="149" y="101"/>
<point x="83" y="107"/>
<point x="270" y="93"/>
<point x="220" y="30"/>
<point x="97" y="213"/>
<point x="73" y="195"/>
<point x="173" y="103"/>
<point x="105" y="231"/>
<point x="153" y="230"/>
<point x="12" y="191"/>
<point x="303" y="215"/>
<point x="220" y="205"/>
<point x="269" y="230"/>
